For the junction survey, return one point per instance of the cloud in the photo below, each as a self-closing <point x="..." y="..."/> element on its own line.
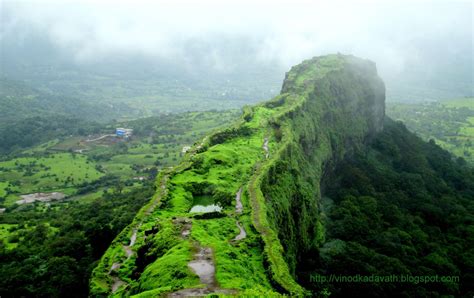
<point x="393" y="33"/>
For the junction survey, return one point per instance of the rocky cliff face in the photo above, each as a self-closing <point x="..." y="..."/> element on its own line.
<point x="343" y="107"/>
<point x="355" y="85"/>
<point x="260" y="178"/>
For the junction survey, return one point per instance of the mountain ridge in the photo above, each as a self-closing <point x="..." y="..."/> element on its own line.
<point x="274" y="157"/>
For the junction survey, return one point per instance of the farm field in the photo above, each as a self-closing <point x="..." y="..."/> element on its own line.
<point x="82" y="168"/>
<point x="450" y="123"/>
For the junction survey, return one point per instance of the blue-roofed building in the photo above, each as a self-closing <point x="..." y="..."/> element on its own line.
<point x="123" y="132"/>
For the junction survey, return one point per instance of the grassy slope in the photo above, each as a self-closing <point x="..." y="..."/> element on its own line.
<point x="231" y="159"/>
<point x="224" y="168"/>
<point x="48" y="173"/>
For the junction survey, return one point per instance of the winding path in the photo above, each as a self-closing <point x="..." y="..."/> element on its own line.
<point x="203" y="266"/>
<point x="238" y="210"/>
<point x="265" y="147"/>
<point x="242" y="233"/>
<point x="99" y="138"/>
<point x="238" y="202"/>
<point x="117" y="282"/>
<point x="128" y="252"/>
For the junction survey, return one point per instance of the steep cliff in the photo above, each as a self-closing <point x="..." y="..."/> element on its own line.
<point x="261" y="180"/>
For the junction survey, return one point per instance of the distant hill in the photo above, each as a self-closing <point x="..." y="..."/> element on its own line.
<point x="19" y="100"/>
<point x="29" y="116"/>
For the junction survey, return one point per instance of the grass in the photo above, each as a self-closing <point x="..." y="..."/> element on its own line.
<point x="3" y="187"/>
<point x="216" y="175"/>
<point x="177" y="274"/>
<point x="234" y="158"/>
<point x="51" y="166"/>
<point x="237" y="266"/>
<point x="89" y="197"/>
<point x="55" y="172"/>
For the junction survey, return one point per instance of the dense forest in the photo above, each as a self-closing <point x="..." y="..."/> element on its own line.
<point x="400" y="206"/>
<point x="57" y="248"/>
<point x="449" y="122"/>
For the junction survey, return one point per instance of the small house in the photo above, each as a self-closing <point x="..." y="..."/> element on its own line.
<point x="123" y="132"/>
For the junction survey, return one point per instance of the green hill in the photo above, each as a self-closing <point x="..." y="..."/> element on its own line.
<point x="392" y="203"/>
<point x="19" y="101"/>
<point x="29" y="116"/>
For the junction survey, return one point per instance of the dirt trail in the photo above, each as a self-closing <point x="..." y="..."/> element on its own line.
<point x="238" y="202"/>
<point x="265" y="147"/>
<point x="133" y="239"/>
<point x="117" y="284"/>
<point x="115" y="267"/>
<point x="198" y="292"/>
<point x="128" y="248"/>
<point x="99" y="138"/>
<point x="186" y="224"/>
<point x="242" y="233"/>
<point x="238" y="210"/>
<point x="203" y="266"/>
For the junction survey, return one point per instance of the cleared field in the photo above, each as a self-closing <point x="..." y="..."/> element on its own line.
<point x="60" y="172"/>
<point x="49" y="172"/>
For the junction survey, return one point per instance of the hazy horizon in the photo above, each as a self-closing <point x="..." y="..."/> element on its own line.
<point x="410" y="41"/>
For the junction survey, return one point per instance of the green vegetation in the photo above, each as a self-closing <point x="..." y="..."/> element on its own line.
<point x="50" y="253"/>
<point x="290" y="138"/>
<point x="47" y="173"/>
<point x="76" y="166"/>
<point x="400" y="206"/>
<point x="450" y="123"/>
<point x="49" y="249"/>
<point x="317" y="131"/>
<point x="19" y="101"/>
<point x="326" y="186"/>
<point x="31" y="116"/>
<point x="217" y="172"/>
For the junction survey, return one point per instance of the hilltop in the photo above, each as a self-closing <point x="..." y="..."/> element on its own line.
<point x="271" y="160"/>
<point x="250" y="210"/>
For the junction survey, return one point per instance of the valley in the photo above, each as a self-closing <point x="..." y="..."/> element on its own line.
<point x="449" y="123"/>
<point x="236" y="149"/>
<point x="230" y="202"/>
<point x="84" y="166"/>
<point x="82" y="190"/>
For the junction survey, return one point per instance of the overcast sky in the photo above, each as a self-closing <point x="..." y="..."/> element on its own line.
<point x="393" y="33"/>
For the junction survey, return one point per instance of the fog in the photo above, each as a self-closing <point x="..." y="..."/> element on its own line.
<point x="420" y="37"/>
